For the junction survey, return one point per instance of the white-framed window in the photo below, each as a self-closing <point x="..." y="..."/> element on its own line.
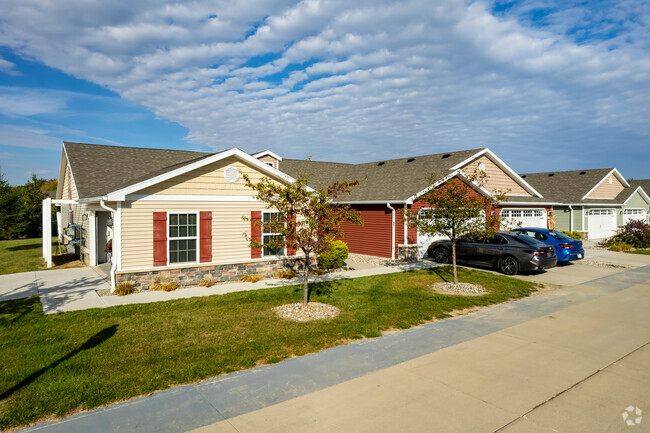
<point x="183" y="239"/>
<point x="268" y="235"/>
<point x="633" y="212"/>
<point x="600" y="212"/>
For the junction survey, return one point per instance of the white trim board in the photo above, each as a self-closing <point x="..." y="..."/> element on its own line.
<point x="267" y="152"/>
<point x="503" y="166"/>
<point x="191" y="198"/>
<point x="121" y="194"/>
<point x="643" y="193"/>
<point x="459" y="173"/>
<point x="615" y="173"/>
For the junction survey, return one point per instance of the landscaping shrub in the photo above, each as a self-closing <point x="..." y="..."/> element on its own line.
<point x="334" y="256"/>
<point x="635" y="233"/>
<point x="124" y="288"/>
<point x="574" y="234"/>
<point x="207" y="281"/>
<point x="619" y="246"/>
<point x="166" y="285"/>
<point x="316" y="272"/>
<point x="287" y="274"/>
<point x="250" y="278"/>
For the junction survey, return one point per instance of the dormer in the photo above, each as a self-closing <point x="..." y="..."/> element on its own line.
<point x="269" y="158"/>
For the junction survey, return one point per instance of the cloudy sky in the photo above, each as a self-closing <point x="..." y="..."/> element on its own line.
<point x="546" y="84"/>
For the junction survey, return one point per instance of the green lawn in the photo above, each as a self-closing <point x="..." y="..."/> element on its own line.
<point x="647" y="252"/>
<point x="25" y="255"/>
<point x="56" y="364"/>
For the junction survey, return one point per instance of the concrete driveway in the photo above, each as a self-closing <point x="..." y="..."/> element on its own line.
<point x="59" y="290"/>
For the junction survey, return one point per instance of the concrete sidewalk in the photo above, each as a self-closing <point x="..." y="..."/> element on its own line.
<point x="489" y="370"/>
<point x="60" y="290"/>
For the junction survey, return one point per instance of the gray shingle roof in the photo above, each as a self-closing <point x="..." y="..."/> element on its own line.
<point x="565" y="186"/>
<point x="389" y="180"/>
<point x="100" y="169"/>
<point x="634" y="184"/>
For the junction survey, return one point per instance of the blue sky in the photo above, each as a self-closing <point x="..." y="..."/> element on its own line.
<point x="546" y="84"/>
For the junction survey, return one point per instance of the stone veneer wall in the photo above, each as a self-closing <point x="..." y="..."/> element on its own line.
<point x="192" y="275"/>
<point x="407" y="253"/>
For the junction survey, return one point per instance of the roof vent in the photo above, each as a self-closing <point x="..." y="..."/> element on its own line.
<point x="523" y="176"/>
<point x="583" y="172"/>
<point x="381" y="163"/>
<point x="231" y="174"/>
<point x="551" y="174"/>
<point x="410" y="160"/>
<point x="446" y="155"/>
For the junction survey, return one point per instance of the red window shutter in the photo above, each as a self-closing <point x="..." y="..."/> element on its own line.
<point x="256" y="233"/>
<point x="205" y="242"/>
<point x="292" y="221"/>
<point x="160" y="238"/>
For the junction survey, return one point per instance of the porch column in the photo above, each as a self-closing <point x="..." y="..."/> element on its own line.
<point x="92" y="238"/>
<point x="47" y="231"/>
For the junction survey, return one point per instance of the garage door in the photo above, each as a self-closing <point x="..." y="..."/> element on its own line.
<point x="634" y="214"/>
<point x="525" y="217"/>
<point x="424" y="239"/>
<point x="601" y="223"/>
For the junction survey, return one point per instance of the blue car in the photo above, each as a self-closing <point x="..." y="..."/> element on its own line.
<point x="566" y="248"/>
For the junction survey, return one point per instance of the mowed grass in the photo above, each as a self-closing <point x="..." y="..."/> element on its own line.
<point x="54" y="365"/>
<point x="646" y="252"/>
<point x="25" y="255"/>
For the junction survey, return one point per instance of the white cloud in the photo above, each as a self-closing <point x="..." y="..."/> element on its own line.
<point x="28" y="137"/>
<point x="22" y="101"/>
<point x="8" y="67"/>
<point x="358" y="80"/>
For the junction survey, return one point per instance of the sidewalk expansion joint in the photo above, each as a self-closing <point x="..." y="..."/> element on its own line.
<point x="572" y="387"/>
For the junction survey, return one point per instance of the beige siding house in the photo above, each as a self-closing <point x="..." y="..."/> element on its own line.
<point x="166" y="213"/>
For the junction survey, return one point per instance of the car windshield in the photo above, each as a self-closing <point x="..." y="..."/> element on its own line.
<point x="558" y="235"/>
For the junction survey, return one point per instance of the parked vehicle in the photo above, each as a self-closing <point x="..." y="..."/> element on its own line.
<point x="566" y="247"/>
<point x="508" y="252"/>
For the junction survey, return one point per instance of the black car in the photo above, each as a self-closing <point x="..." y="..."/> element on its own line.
<point x="508" y="252"/>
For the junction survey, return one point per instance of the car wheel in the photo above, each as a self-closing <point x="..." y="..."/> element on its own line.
<point x="440" y="255"/>
<point x="508" y="265"/>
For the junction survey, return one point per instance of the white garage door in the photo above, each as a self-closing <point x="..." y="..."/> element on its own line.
<point x="634" y="214"/>
<point x="424" y="240"/>
<point x="526" y="217"/>
<point x="601" y="223"/>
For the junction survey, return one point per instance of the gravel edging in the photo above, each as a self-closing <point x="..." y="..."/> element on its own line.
<point x="465" y="289"/>
<point x="600" y="264"/>
<point x="305" y="313"/>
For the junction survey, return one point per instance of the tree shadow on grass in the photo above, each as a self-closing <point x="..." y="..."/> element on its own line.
<point x="93" y="341"/>
<point x="16" y="309"/>
<point x="24" y="247"/>
<point x="322" y="288"/>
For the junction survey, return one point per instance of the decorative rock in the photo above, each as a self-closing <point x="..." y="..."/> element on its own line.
<point x="312" y="311"/>
<point x="465" y="289"/>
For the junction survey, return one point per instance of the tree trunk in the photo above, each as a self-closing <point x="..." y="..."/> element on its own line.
<point x="305" y="283"/>
<point x="453" y="260"/>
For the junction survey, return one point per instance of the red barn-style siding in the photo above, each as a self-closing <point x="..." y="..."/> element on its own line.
<point x="373" y="237"/>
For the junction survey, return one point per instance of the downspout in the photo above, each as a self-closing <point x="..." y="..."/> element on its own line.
<point x="392" y="239"/>
<point x="114" y="257"/>
<point x="570" y="218"/>
<point x="406" y="238"/>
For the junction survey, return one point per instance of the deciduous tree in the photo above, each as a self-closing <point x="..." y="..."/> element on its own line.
<point x="459" y="208"/>
<point x="308" y="220"/>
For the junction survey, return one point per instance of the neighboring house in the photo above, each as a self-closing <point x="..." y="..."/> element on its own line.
<point x="596" y="202"/>
<point x="385" y="186"/>
<point x="166" y="212"/>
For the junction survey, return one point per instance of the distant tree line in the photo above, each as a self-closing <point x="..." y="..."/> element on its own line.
<point x="21" y="207"/>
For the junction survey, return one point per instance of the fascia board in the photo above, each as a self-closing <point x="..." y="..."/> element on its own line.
<point x="121" y="194"/>
<point x="267" y="152"/>
<point x="454" y="173"/>
<point x="643" y="193"/>
<point x="616" y="173"/>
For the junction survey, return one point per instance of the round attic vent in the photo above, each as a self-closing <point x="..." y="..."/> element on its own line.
<point x="481" y="167"/>
<point x="231" y="174"/>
